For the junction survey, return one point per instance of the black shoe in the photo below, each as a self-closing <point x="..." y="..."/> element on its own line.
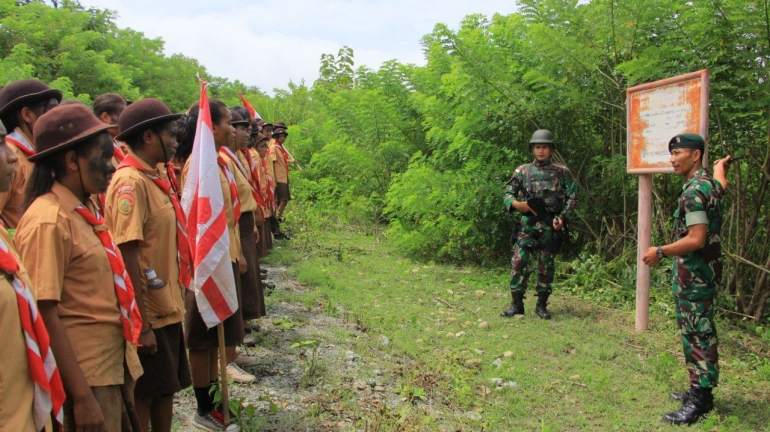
<point x="263" y="271"/>
<point x="281" y="236"/>
<point x="268" y="287"/>
<point x="540" y="308"/>
<point x="682" y="396"/>
<point x="700" y="402"/>
<point x="516" y="307"/>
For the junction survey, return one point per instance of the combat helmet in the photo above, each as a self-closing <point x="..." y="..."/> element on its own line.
<point x="541" y="136"/>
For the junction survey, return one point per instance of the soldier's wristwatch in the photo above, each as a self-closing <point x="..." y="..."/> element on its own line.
<point x="660" y="253"/>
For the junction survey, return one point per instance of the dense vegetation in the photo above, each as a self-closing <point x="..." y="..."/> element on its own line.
<point x="427" y="149"/>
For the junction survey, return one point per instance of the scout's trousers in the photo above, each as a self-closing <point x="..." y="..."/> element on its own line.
<point x="695" y="317"/>
<point x="532" y="243"/>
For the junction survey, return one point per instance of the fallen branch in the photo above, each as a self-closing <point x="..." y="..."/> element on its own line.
<point x="443" y="301"/>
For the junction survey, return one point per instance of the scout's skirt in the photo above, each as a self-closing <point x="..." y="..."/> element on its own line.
<point x="167" y="371"/>
<point x="253" y="305"/>
<point x="282" y="192"/>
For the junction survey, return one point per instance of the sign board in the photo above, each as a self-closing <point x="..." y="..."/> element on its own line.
<point x="655" y="113"/>
<point x="659" y="110"/>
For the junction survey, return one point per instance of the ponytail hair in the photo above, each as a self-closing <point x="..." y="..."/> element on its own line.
<point x="187" y="124"/>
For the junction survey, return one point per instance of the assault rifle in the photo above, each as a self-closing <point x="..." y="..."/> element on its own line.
<point x="541" y="214"/>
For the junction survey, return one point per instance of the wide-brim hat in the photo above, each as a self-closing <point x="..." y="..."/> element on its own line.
<point x="26" y="90"/>
<point x="238" y="119"/>
<point x="280" y="124"/>
<point x="280" y="131"/>
<point x="141" y="115"/>
<point x="260" y="138"/>
<point x="64" y="126"/>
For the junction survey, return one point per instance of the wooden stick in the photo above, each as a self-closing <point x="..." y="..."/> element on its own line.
<point x="223" y="373"/>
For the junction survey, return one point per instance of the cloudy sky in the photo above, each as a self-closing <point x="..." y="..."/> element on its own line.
<point x="267" y="43"/>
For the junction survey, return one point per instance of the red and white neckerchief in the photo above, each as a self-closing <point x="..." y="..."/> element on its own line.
<point x="231" y="181"/>
<point x="247" y="174"/>
<point x="130" y="316"/>
<point x="20" y="141"/>
<point x="117" y="152"/>
<point x="182" y="242"/>
<point x="254" y="168"/>
<point x="171" y="172"/>
<point x="270" y="188"/>
<point x="49" y="393"/>
<point x="285" y="155"/>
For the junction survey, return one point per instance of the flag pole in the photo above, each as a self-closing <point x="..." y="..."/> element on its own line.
<point x="223" y="373"/>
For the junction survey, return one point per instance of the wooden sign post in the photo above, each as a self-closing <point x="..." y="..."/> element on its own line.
<point x="655" y="112"/>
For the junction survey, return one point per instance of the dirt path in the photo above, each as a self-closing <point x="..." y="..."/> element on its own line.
<point x="352" y="377"/>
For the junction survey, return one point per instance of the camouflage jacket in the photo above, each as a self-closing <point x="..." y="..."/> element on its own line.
<point x="700" y="202"/>
<point x="549" y="181"/>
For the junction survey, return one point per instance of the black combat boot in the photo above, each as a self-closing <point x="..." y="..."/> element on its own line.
<point x="700" y="402"/>
<point x="681" y="396"/>
<point x="516" y="307"/>
<point x="540" y="309"/>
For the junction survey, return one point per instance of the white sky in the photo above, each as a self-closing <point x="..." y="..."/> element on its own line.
<point x="268" y="43"/>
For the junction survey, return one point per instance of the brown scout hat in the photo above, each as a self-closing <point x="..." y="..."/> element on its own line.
<point x="279" y="124"/>
<point x="64" y="126"/>
<point x="261" y="138"/>
<point x="141" y="115"/>
<point x="280" y="131"/>
<point x="26" y="90"/>
<point x="238" y="119"/>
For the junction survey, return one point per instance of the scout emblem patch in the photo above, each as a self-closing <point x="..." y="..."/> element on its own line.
<point x="125" y="203"/>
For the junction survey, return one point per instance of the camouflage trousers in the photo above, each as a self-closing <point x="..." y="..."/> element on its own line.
<point x="695" y="316"/>
<point x="533" y="242"/>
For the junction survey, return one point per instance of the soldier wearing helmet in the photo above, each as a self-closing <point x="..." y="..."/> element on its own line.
<point x="545" y="194"/>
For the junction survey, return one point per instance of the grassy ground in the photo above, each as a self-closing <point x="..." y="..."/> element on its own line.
<point x="586" y="369"/>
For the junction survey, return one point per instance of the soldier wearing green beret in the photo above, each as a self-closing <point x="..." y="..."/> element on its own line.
<point x="697" y="256"/>
<point x="545" y="193"/>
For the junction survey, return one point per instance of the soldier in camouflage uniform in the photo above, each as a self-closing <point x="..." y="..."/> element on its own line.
<point x="552" y="188"/>
<point x="697" y="270"/>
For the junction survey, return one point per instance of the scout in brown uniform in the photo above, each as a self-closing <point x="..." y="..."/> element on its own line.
<point x="108" y="108"/>
<point x="265" y="242"/>
<point x="21" y="104"/>
<point x="201" y="341"/>
<point x="81" y="286"/>
<point x="280" y="159"/>
<point x="254" y="305"/>
<point x="16" y="385"/>
<point x="142" y="212"/>
<point x="249" y="279"/>
<point x="266" y="186"/>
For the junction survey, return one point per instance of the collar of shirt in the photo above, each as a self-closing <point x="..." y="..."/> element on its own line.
<point x="19" y="136"/>
<point x="68" y="200"/>
<point x="543" y="163"/>
<point x="701" y="172"/>
<point x="151" y="170"/>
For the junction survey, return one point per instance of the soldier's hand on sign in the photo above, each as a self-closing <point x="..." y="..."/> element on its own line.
<point x="558" y="223"/>
<point x="650" y="257"/>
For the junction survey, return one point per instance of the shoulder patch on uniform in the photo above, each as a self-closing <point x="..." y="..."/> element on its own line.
<point x="125" y="203"/>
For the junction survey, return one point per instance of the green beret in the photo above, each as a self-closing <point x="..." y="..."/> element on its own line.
<point x="687" y="140"/>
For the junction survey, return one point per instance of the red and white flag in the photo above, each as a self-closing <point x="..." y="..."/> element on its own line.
<point x="254" y="114"/>
<point x="204" y="205"/>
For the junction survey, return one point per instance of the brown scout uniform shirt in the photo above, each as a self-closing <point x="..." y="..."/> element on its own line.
<point x="12" y="202"/>
<point x="68" y="264"/>
<point x="16" y="385"/>
<point x="137" y="209"/>
<point x="275" y="159"/>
